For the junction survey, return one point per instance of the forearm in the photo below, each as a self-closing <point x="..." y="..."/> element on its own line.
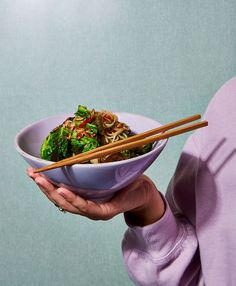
<point x="162" y="253"/>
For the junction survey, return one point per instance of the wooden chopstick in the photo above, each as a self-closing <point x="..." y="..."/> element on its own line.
<point x="145" y="134"/>
<point x="129" y="143"/>
<point x="142" y="135"/>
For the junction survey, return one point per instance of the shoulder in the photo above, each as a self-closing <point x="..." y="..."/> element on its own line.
<point x="221" y="117"/>
<point x="223" y="102"/>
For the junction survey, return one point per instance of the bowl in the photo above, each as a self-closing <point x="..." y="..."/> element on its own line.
<point x="97" y="182"/>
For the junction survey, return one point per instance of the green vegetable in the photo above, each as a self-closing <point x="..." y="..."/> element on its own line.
<point x="63" y="144"/>
<point x="144" y="149"/>
<point x="92" y="128"/>
<point x="84" y="144"/>
<point x="127" y="154"/>
<point x="55" y="147"/>
<point x="74" y="135"/>
<point x="82" y="111"/>
<point x="48" y="148"/>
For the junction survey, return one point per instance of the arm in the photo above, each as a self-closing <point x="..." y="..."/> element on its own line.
<point x="201" y="200"/>
<point x="159" y="247"/>
<point x="162" y="253"/>
<point x="166" y="251"/>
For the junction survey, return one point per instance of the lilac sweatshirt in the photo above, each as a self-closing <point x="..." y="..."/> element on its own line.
<point x="194" y="243"/>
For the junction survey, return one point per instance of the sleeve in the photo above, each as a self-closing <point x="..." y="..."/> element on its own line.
<point x="166" y="252"/>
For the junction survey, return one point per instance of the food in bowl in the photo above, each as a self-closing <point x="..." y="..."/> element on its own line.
<point x="87" y="130"/>
<point x="97" y="182"/>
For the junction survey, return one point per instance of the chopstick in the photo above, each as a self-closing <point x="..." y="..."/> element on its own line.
<point x="131" y="142"/>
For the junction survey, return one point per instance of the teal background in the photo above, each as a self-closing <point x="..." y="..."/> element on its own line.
<point x="163" y="59"/>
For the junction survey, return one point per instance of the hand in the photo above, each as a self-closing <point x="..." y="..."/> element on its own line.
<point x="140" y="201"/>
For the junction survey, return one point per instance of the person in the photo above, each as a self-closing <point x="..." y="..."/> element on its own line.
<point x="186" y="237"/>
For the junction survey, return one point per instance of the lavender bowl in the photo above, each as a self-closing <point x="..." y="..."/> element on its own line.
<point x="98" y="182"/>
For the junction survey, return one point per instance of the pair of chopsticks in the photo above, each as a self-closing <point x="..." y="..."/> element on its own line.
<point x="138" y="140"/>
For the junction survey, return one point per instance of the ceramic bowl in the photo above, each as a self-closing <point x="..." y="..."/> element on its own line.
<point x="98" y="182"/>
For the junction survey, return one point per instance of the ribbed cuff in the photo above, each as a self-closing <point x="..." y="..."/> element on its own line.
<point x="160" y="237"/>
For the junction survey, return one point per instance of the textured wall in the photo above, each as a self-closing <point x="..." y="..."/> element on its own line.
<point x="164" y="59"/>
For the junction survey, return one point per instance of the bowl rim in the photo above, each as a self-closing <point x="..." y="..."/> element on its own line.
<point x="158" y="145"/>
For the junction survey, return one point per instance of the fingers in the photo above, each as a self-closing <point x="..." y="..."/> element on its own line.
<point x="78" y="202"/>
<point x="90" y="209"/>
<point x="31" y="174"/>
<point x="69" y="201"/>
<point x="51" y="191"/>
<point x="129" y="198"/>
